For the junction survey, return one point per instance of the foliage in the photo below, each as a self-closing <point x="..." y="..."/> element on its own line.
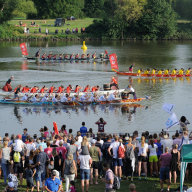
<point x="9" y="31"/>
<point x="158" y="20"/>
<point x="59" y="8"/>
<point x="6" y="9"/>
<point x="24" y="8"/>
<point x="94" y="8"/>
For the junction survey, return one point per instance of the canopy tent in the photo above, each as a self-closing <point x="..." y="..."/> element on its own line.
<point x="186" y="157"/>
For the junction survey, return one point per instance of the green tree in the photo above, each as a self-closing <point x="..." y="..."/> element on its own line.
<point x="24" y="8"/>
<point x="158" y="20"/>
<point x="94" y="8"/>
<point x="6" y="9"/>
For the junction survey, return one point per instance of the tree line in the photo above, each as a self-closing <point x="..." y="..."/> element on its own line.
<point x="117" y="18"/>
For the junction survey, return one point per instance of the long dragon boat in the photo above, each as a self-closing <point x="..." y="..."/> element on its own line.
<point x="72" y="103"/>
<point x="149" y="75"/>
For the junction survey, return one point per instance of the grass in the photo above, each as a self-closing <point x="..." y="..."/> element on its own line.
<point x="49" y="24"/>
<point x="150" y="185"/>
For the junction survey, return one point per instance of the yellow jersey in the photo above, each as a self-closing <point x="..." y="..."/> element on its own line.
<point x="173" y="72"/>
<point x="180" y="72"/>
<point x="160" y="72"/>
<point x="139" y="71"/>
<point x="153" y="72"/>
<point x="146" y="72"/>
<point x="187" y="72"/>
<point x="166" y="72"/>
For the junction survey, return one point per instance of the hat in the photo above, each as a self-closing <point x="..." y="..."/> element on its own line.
<point x="19" y="136"/>
<point x="126" y="138"/>
<point x="54" y="173"/>
<point x="11" y="184"/>
<point x="93" y="141"/>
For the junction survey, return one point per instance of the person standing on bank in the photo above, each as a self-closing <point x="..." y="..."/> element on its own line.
<point x="101" y="124"/>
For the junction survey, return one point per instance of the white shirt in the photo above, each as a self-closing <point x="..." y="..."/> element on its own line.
<point x="54" y="99"/>
<point x="102" y="98"/>
<point x="167" y="143"/>
<point x="73" y="98"/>
<point x="84" y="161"/>
<point x="143" y="150"/>
<point x="92" y="98"/>
<point x="29" y="147"/>
<point x="24" y="98"/>
<point x="64" y="99"/>
<point x="18" y="145"/>
<point x="44" y="99"/>
<point x="34" y="100"/>
<point x="111" y="97"/>
<point x="153" y="150"/>
<point x="130" y="89"/>
<point x="115" y="146"/>
<point x="83" y="98"/>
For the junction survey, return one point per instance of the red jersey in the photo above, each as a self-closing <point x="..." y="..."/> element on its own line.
<point x="33" y="90"/>
<point x="51" y="89"/>
<point x="68" y="90"/>
<point x="94" y="89"/>
<point x="60" y="90"/>
<point x="42" y="90"/>
<point x="25" y="89"/>
<point x="86" y="89"/>
<point x="101" y="126"/>
<point x="114" y="80"/>
<point x="77" y="89"/>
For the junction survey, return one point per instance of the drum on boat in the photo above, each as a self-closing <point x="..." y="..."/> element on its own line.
<point x="106" y="87"/>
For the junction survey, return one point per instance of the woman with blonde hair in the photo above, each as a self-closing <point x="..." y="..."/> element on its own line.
<point x="85" y="146"/>
<point x="70" y="170"/>
<point x="142" y="157"/>
<point x="5" y="159"/>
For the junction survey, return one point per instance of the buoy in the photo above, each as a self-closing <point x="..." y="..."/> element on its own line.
<point x="84" y="47"/>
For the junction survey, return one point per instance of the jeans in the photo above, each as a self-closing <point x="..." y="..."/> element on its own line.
<point x="5" y="168"/>
<point x="68" y="178"/>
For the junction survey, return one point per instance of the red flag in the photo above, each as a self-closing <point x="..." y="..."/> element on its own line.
<point x="55" y="128"/>
<point x="106" y="52"/>
<point x="113" y="61"/>
<point x="23" y="49"/>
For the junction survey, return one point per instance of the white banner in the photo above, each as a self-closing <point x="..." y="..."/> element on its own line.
<point x="171" y="121"/>
<point x="168" y="107"/>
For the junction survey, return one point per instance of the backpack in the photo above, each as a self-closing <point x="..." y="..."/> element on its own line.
<point x="116" y="183"/>
<point x="16" y="157"/>
<point x="129" y="153"/>
<point x="121" y="152"/>
<point x="71" y="168"/>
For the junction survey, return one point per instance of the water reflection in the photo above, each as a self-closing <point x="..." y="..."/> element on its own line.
<point x="128" y="110"/>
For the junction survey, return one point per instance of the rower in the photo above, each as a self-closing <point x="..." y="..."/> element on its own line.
<point x="87" y="88"/>
<point x="94" y="56"/>
<point x="146" y="72"/>
<point x="34" y="89"/>
<point x="55" y="98"/>
<point x="60" y="57"/>
<point x="77" y="56"/>
<point x="34" y="99"/>
<point x="114" y="83"/>
<point x="131" y="69"/>
<point x="74" y="98"/>
<point x="174" y="72"/>
<point x="45" y="98"/>
<point x="60" y="89"/>
<point x="83" y="56"/>
<point x="51" y="89"/>
<point x="83" y="97"/>
<point x="43" y="57"/>
<point x="166" y="72"/>
<point x="181" y="71"/>
<point x="103" y="97"/>
<point x="25" y="89"/>
<point x="111" y="97"/>
<point x="139" y="72"/>
<point x="106" y="56"/>
<point x="7" y="86"/>
<point x="93" y="97"/>
<point x="68" y="89"/>
<point x="188" y="72"/>
<point x="71" y="56"/>
<point x="55" y="57"/>
<point x="66" y="57"/>
<point x="37" y="54"/>
<point x="88" y="56"/>
<point x="43" y="89"/>
<point x="153" y="71"/>
<point x="25" y="98"/>
<point x="160" y="72"/>
<point x="130" y="90"/>
<point x="77" y="89"/>
<point x="17" y="91"/>
<point x="50" y="56"/>
<point x="64" y="99"/>
<point x="95" y="88"/>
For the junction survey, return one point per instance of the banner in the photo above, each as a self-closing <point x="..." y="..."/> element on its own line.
<point x="171" y="121"/>
<point x="113" y="61"/>
<point x="168" y="107"/>
<point x="23" y="49"/>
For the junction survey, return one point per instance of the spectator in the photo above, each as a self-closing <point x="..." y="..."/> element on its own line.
<point x="101" y="124"/>
<point x="83" y="129"/>
<point x="109" y="178"/>
<point x="165" y="160"/>
<point x="85" y="162"/>
<point x="70" y="170"/>
<point x="132" y="187"/>
<point x="29" y="177"/>
<point x="53" y="183"/>
<point x="167" y="142"/>
<point x="24" y="135"/>
<point x="183" y="124"/>
<point x="46" y="31"/>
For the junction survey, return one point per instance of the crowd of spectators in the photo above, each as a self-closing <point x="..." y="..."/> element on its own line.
<point x="54" y="158"/>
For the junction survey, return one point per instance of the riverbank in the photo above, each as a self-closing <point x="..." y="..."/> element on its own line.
<point x="70" y="31"/>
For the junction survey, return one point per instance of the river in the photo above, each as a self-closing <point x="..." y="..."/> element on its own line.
<point x="146" y="116"/>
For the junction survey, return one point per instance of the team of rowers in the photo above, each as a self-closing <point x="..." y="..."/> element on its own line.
<point x="166" y="72"/>
<point x="77" y="56"/>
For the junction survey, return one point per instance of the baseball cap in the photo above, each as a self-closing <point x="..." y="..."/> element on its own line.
<point x="93" y="141"/>
<point x="126" y="138"/>
<point x="54" y="173"/>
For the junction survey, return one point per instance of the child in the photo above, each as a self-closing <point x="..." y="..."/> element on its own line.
<point x="72" y="188"/>
<point x="29" y="177"/>
<point x="10" y="187"/>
